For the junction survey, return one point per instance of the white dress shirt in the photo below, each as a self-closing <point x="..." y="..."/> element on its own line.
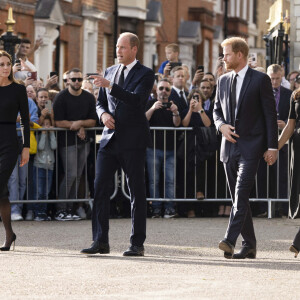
<point x="126" y="71"/>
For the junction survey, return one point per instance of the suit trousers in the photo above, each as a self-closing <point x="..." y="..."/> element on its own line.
<point x="109" y="159"/>
<point x="240" y="175"/>
<point x="296" y="241"/>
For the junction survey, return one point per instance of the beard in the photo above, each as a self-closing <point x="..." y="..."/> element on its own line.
<point x="74" y="88"/>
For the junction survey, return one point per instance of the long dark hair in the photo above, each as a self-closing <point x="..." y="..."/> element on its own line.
<point x="11" y="75"/>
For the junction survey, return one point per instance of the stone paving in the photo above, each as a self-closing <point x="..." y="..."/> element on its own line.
<point x="181" y="261"/>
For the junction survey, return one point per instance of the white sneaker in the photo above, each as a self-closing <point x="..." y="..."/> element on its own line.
<point x="16" y="217"/>
<point x="29" y="215"/>
<point x="75" y="218"/>
<point x="81" y="213"/>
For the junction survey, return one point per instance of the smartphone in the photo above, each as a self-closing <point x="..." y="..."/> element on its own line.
<point x="32" y="75"/>
<point x="91" y="74"/>
<point x="253" y="59"/>
<point x="53" y="73"/>
<point x="48" y="105"/>
<point x="175" y="64"/>
<point x="201" y="68"/>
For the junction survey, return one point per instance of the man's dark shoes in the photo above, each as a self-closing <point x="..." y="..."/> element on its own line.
<point x="134" y="251"/>
<point x="227" y="247"/>
<point x="96" y="247"/>
<point x="295" y="250"/>
<point x="245" y="252"/>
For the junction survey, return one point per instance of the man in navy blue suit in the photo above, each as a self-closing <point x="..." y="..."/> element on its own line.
<point x="124" y="91"/>
<point x="246" y="116"/>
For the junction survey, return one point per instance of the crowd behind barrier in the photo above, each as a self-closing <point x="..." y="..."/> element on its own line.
<point x="183" y="170"/>
<point x="215" y="183"/>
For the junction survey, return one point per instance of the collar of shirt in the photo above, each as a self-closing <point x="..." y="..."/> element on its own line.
<point x="126" y="71"/>
<point x="239" y="81"/>
<point x="178" y="91"/>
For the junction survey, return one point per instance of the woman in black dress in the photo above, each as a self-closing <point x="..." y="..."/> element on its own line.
<point x="13" y="99"/>
<point x="292" y="128"/>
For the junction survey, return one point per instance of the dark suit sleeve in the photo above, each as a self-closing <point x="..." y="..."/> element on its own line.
<point x="102" y="103"/>
<point x="217" y="112"/>
<point x="140" y="93"/>
<point x="269" y="110"/>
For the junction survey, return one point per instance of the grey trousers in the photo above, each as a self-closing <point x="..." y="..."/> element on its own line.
<point x="74" y="160"/>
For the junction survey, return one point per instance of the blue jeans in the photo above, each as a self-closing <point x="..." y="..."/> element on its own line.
<point x="17" y="186"/>
<point x="155" y="165"/>
<point x="42" y="182"/>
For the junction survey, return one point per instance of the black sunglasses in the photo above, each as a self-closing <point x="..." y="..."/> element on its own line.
<point x="196" y="97"/>
<point x="161" y="88"/>
<point x="65" y="80"/>
<point x="78" y="79"/>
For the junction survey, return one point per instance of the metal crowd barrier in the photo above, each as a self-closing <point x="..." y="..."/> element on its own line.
<point x="180" y="136"/>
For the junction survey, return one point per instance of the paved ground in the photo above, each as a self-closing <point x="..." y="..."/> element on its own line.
<point x="182" y="262"/>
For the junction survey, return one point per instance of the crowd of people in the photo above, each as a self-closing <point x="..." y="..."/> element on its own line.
<point x="179" y="164"/>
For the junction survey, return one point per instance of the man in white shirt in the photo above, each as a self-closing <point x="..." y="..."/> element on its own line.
<point x="26" y="65"/>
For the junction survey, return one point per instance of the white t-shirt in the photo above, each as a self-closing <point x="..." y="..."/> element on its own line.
<point x="22" y="75"/>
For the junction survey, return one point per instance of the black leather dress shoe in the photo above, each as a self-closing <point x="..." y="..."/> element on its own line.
<point x="295" y="250"/>
<point x="227" y="247"/>
<point x="134" y="251"/>
<point x="96" y="247"/>
<point x="245" y="252"/>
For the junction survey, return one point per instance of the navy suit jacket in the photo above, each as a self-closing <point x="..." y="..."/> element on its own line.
<point x="256" y="117"/>
<point x="284" y="104"/>
<point x="181" y="105"/>
<point x="127" y="106"/>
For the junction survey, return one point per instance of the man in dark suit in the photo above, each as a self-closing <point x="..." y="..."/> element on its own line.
<point x="245" y="114"/>
<point x="125" y="89"/>
<point x="282" y="101"/>
<point x="178" y="94"/>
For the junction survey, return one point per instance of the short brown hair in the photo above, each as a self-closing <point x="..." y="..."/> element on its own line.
<point x="238" y="44"/>
<point x="173" y="47"/>
<point x="274" y="69"/>
<point x="178" y="68"/>
<point x="133" y="39"/>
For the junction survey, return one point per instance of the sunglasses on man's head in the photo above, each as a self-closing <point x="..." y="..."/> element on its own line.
<point x="161" y="88"/>
<point x="78" y="79"/>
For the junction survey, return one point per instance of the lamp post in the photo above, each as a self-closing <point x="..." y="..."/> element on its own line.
<point x="9" y="39"/>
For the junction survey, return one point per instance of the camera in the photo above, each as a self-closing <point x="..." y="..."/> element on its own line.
<point x="166" y="105"/>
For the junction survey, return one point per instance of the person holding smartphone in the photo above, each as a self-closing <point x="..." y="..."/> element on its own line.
<point x="44" y="106"/>
<point x="194" y="116"/>
<point x="161" y="112"/>
<point x="23" y="51"/>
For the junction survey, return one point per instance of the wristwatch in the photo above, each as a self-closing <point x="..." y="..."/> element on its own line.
<point x="201" y="111"/>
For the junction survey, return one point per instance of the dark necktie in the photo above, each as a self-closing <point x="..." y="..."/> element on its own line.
<point x="121" y="79"/>
<point x="233" y="98"/>
<point x="276" y="96"/>
<point x="181" y="97"/>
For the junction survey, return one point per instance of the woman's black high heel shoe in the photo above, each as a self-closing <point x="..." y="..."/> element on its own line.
<point x="294" y="250"/>
<point x="12" y="242"/>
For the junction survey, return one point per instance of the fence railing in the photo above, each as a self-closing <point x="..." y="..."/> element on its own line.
<point x="189" y="176"/>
